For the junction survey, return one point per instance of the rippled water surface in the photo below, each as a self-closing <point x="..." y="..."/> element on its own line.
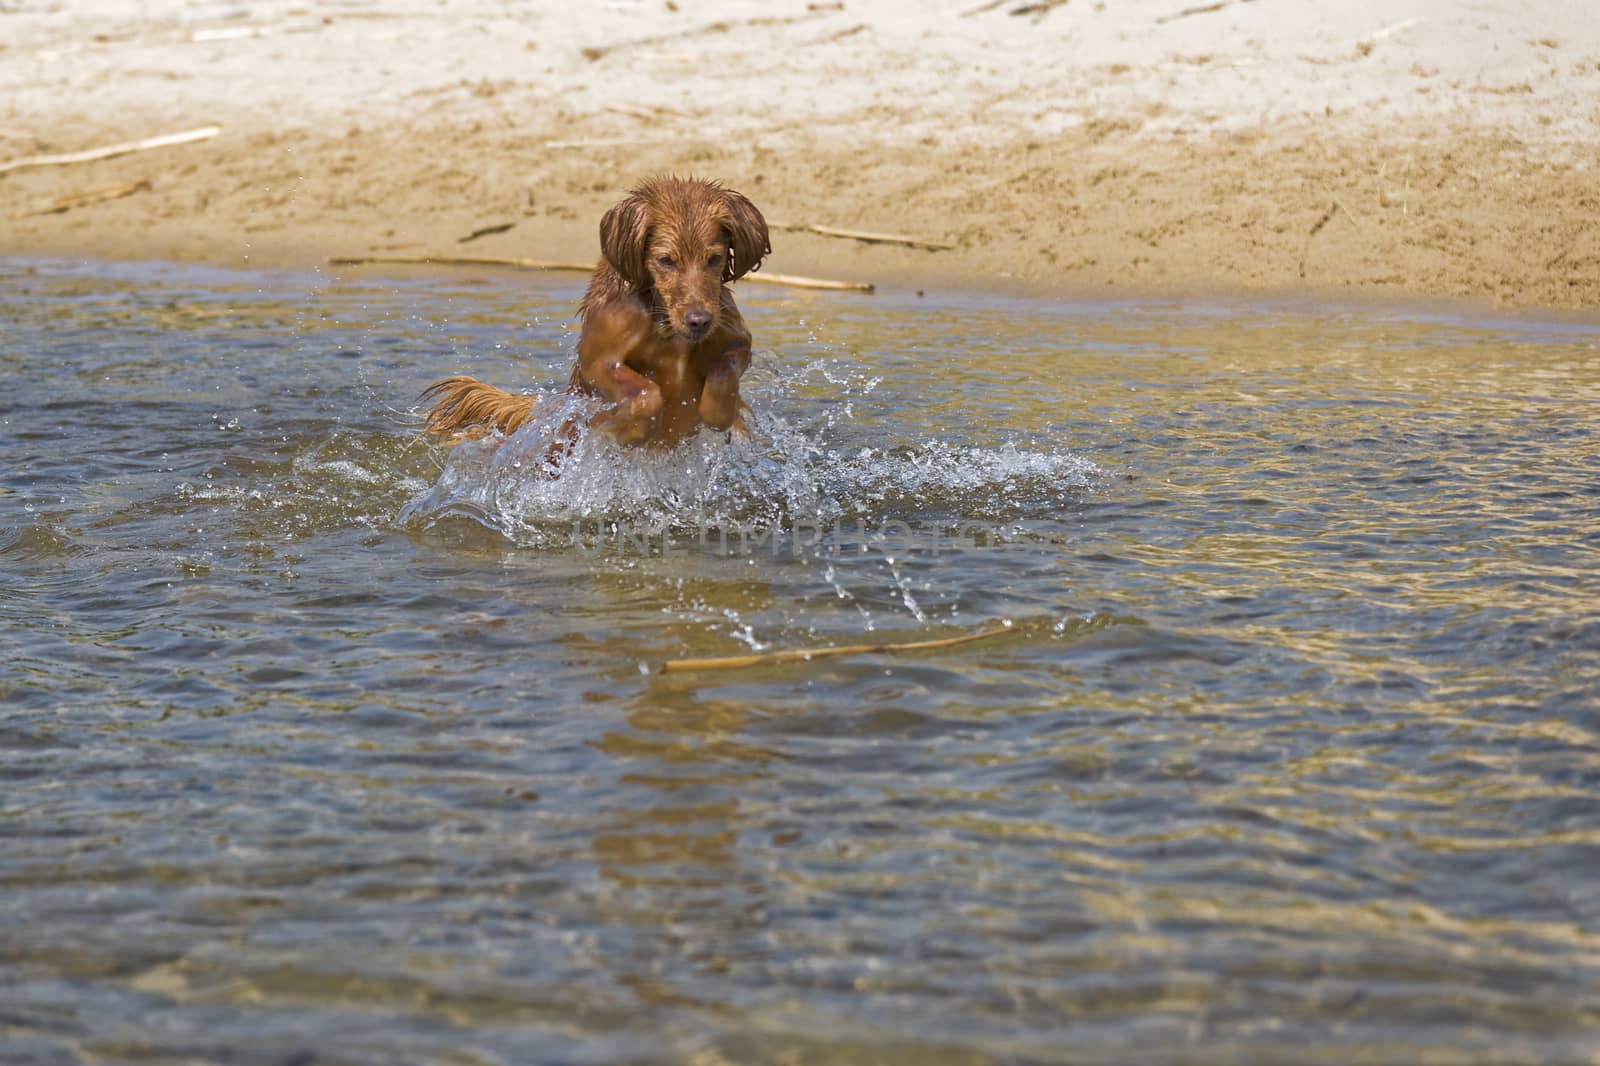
<point x="323" y="744"/>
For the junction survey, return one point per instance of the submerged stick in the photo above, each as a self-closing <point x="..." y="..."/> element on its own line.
<point x="793" y="281"/>
<point x="798" y="655"/>
<point x="865" y="236"/>
<point x="111" y="150"/>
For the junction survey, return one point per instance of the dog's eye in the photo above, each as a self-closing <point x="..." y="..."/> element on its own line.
<point x="715" y="262"/>
<point x="666" y="262"/>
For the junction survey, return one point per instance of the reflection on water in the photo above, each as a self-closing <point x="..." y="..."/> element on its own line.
<point x="322" y="743"/>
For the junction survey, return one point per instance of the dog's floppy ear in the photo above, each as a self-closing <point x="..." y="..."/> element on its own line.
<point x="625" y="240"/>
<point x="747" y="236"/>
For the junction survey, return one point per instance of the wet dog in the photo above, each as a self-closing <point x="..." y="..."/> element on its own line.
<point x="662" y="342"/>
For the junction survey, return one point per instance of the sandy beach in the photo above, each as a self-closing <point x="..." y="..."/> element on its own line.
<point x="1395" y="149"/>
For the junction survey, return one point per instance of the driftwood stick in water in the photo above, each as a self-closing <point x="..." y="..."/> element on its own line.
<point x="791" y="280"/>
<point x="799" y="655"/>
<point x="111" y="150"/>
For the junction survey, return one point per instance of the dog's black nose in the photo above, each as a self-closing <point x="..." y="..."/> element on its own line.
<point x="698" y="322"/>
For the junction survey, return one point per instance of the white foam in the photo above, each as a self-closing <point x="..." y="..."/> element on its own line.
<point x="775" y="477"/>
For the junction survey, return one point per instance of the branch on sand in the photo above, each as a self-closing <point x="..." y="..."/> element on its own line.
<point x="91" y="196"/>
<point x="1201" y="9"/>
<point x="606" y="142"/>
<point x="793" y="281"/>
<point x="1334" y="207"/>
<point x="862" y="235"/>
<point x="1364" y="46"/>
<point x="486" y="231"/>
<point x="461" y="260"/>
<point x="797" y="281"/>
<point x="1037" y="8"/>
<point x="838" y="35"/>
<point x="110" y="151"/>
<point x="596" y="52"/>
<point x="650" y="113"/>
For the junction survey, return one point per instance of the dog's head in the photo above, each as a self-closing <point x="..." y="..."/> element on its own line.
<point x="677" y="242"/>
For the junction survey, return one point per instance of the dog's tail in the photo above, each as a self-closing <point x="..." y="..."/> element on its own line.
<point x="467" y="407"/>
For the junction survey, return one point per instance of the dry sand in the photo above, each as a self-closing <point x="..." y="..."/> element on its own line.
<point x="1395" y="148"/>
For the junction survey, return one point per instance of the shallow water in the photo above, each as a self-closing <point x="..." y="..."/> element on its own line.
<point x="320" y="744"/>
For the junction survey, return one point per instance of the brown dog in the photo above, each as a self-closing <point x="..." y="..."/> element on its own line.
<point x="662" y="340"/>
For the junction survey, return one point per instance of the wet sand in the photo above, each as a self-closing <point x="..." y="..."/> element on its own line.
<point x="1144" y="147"/>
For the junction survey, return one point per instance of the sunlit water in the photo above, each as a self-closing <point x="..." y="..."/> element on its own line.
<point x="323" y="744"/>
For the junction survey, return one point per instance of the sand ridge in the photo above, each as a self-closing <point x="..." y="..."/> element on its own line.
<point x="1147" y="146"/>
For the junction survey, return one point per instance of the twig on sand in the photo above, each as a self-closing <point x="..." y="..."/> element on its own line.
<point x="796" y="281"/>
<point x="1201" y="9"/>
<point x="485" y="231"/>
<point x="461" y="260"/>
<point x="862" y="235"/>
<point x="805" y="655"/>
<point x="596" y="52"/>
<point x="239" y="33"/>
<point x="605" y="142"/>
<point x="1392" y="29"/>
<point x="1347" y="212"/>
<point x="1316" y="228"/>
<point x="990" y="5"/>
<point x="111" y="150"/>
<point x="92" y="196"/>
<point x="829" y="38"/>
<point x="1364" y="46"/>
<point x="650" y="113"/>
<point x="790" y="280"/>
<point x="1039" y="8"/>
<point x="1322" y="220"/>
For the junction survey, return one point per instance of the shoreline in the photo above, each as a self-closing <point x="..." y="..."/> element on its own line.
<point x="1254" y="154"/>
<point x="985" y="292"/>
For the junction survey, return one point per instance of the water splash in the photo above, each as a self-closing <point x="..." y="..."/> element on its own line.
<point x="777" y="476"/>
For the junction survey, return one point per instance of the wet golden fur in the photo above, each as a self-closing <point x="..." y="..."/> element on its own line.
<point x="662" y="341"/>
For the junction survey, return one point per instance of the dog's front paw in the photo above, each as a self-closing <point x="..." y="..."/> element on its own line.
<point x="719" y="400"/>
<point x="635" y="419"/>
